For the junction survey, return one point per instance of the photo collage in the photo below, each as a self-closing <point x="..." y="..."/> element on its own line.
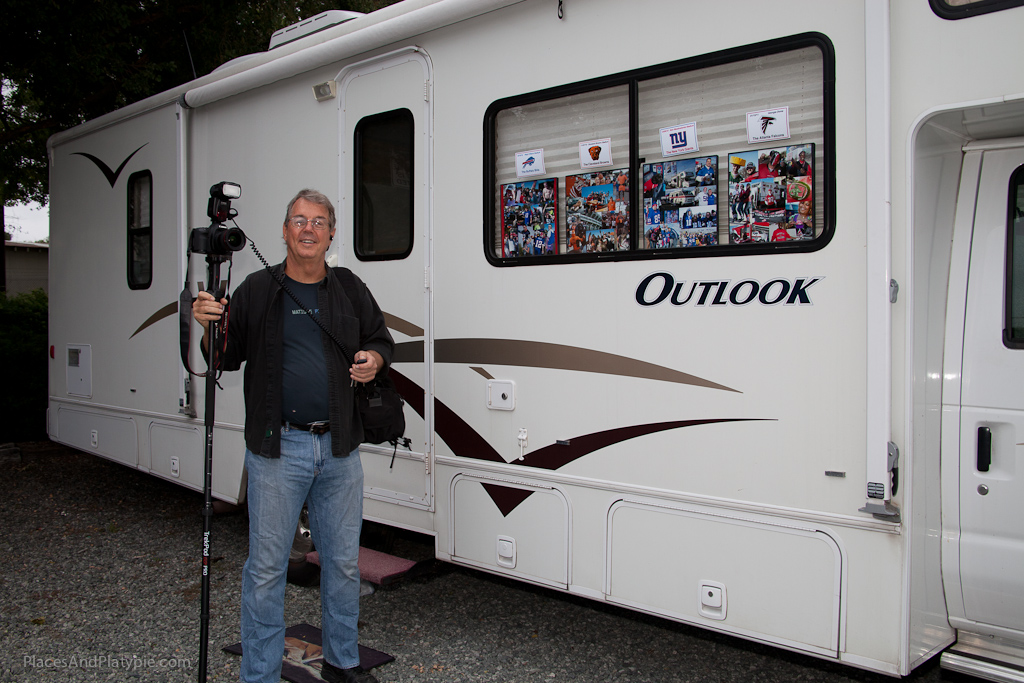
<point x="770" y="199"/>
<point x="529" y="218"/>
<point x="597" y="212"/>
<point x="680" y="203"/>
<point x="771" y="195"/>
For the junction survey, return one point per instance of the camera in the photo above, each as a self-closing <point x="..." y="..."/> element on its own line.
<point x="217" y="239"/>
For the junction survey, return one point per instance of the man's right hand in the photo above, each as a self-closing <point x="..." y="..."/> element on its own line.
<point x="205" y="308"/>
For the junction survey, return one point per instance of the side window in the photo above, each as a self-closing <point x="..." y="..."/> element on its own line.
<point x="961" y="9"/>
<point x="554" y="213"/>
<point x="1013" y="330"/>
<point x="383" y="179"/>
<point x="140" y="230"/>
<point x="717" y="155"/>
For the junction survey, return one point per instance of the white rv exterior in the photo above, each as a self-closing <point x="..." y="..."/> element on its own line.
<point x="790" y="454"/>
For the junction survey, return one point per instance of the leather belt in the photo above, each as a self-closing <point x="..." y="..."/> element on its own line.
<point x="312" y="427"/>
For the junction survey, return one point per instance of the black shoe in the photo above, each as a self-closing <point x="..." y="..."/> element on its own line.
<point x="333" y="674"/>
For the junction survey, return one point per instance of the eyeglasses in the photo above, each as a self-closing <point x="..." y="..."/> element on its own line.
<point x="299" y="222"/>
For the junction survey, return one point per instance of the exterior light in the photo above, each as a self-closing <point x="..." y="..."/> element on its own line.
<point x="327" y="90"/>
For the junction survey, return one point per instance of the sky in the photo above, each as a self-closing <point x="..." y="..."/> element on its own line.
<point x="27" y="222"/>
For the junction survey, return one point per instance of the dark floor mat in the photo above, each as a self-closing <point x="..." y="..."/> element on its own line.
<point x="303" y="654"/>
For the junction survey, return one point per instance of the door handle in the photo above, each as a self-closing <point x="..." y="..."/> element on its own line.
<point x="984" y="449"/>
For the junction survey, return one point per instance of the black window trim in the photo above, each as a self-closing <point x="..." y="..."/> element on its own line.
<point x="134" y="231"/>
<point x="952" y="13"/>
<point x="632" y="79"/>
<point x="357" y="204"/>
<point x="1016" y="180"/>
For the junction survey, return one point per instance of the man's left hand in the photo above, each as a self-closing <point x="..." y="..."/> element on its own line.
<point x="367" y="370"/>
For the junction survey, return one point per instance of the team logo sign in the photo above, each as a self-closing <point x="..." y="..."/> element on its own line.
<point x="530" y="163"/>
<point x="679" y="139"/>
<point x="596" y="153"/>
<point x="769" y="124"/>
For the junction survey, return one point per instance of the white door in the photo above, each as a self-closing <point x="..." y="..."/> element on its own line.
<point x="991" y="477"/>
<point x="385" y="232"/>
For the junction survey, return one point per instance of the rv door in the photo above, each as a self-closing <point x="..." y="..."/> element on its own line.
<point x="990" y="546"/>
<point x="385" y="231"/>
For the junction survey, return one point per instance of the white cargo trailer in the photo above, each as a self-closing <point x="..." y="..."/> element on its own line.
<point x="714" y="311"/>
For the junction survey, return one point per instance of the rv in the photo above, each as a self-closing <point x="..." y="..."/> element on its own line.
<point x="781" y="399"/>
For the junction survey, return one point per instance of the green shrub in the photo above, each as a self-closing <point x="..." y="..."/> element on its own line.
<point x="23" y="357"/>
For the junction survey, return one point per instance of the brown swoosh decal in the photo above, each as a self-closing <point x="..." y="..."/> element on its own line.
<point x="505" y="497"/>
<point x="110" y="175"/>
<point x="532" y="354"/>
<point x="480" y="371"/>
<point x="404" y="326"/>
<point x="508" y="498"/>
<point x="556" y="455"/>
<point x="410" y="391"/>
<point x="408" y="352"/>
<point x="465" y="442"/>
<point x="168" y="310"/>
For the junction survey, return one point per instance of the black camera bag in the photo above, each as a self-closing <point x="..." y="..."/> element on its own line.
<point x="381" y="410"/>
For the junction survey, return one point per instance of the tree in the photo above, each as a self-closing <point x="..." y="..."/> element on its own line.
<point x="63" y="62"/>
<point x="23" y="346"/>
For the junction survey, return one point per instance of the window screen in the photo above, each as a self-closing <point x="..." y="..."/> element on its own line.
<point x="383" y="177"/>
<point x="659" y="162"/>
<point x="140" y="230"/>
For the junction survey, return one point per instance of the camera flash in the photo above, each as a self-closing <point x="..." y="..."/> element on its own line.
<point x="226" y="190"/>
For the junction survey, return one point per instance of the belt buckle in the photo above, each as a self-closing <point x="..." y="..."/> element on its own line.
<point x="319" y="427"/>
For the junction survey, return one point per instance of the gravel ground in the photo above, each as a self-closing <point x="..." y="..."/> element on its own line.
<point x="103" y="585"/>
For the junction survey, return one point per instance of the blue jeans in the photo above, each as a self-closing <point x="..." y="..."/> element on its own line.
<point x="332" y="489"/>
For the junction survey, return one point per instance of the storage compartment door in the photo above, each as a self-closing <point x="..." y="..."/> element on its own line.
<point x="528" y="539"/>
<point x="774" y="583"/>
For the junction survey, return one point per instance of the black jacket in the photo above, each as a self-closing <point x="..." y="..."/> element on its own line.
<point x="255" y="329"/>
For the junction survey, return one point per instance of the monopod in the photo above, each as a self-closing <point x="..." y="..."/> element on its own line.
<point x="217" y="242"/>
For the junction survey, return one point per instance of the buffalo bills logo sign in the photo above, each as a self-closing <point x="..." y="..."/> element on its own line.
<point x="530" y="163"/>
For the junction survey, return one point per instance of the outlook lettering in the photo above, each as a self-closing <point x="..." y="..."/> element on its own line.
<point x="661" y="286"/>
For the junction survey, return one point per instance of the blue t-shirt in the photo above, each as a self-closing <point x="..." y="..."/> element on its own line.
<point x="304" y="393"/>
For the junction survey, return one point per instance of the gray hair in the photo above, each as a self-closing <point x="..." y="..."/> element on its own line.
<point x="315" y="197"/>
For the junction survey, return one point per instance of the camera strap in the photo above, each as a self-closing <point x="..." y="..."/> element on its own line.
<point x="185" y="301"/>
<point x="279" y="279"/>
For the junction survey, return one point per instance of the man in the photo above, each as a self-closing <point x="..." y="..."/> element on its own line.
<point x="780" y="234"/>
<point x="539" y="239"/>
<point x="575" y="242"/>
<point x="706" y="174"/>
<point x="301" y="434"/>
<point x="799" y="167"/>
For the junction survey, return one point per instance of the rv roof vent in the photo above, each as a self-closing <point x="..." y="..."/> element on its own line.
<point x="306" y="27"/>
